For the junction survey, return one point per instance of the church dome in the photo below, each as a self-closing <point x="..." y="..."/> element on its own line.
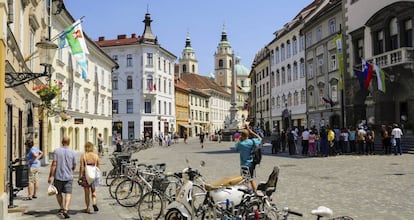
<point x="240" y="69"/>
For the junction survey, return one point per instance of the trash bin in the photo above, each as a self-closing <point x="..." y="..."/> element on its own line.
<point x="22" y="175"/>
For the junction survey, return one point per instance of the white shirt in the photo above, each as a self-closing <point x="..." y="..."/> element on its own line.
<point x="396" y="133"/>
<point x="305" y="135"/>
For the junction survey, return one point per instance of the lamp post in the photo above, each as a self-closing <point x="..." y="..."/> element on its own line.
<point x="47" y="51"/>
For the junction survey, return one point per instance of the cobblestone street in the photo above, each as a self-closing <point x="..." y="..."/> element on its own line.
<point x="363" y="187"/>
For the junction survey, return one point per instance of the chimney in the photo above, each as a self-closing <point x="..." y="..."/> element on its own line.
<point x="133" y="35"/>
<point x="101" y="38"/>
<point x="121" y="36"/>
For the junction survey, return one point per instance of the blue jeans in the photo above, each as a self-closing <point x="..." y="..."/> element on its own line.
<point x="397" y="147"/>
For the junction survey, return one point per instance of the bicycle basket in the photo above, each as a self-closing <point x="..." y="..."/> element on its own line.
<point x="160" y="183"/>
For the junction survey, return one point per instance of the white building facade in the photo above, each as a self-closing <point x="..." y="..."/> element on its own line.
<point x="143" y="86"/>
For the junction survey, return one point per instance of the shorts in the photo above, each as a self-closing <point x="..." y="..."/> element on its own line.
<point x="100" y="148"/>
<point x="33" y="175"/>
<point x="63" y="186"/>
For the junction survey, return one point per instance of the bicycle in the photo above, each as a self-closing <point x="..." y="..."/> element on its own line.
<point x="116" y="162"/>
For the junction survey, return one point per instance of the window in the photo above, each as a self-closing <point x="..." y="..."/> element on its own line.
<point x="131" y="129"/>
<point x="321" y="94"/>
<point x="150" y="59"/>
<point x="277" y="55"/>
<point x="165" y="107"/>
<point x="302" y="97"/>
<point x="115" y="83"/>
<point x="129" y="82"/>
<point x="115" y="106"/>
<point x="282" y="57"/>
<point x="295" y="46"/>
<point x="115" y="58"/>
<point x="130" y="106"/>
<point x="334" y="90"/>
<point x="320" y="68"/>
<point x="283" y="76"/>
<point x="277" y="78"/>
<point x="102" y="77"/>
<point x="165" y="66"/>
<point x="309" y="39"/>
<point x="289" y="74"/>
<point x="301" y="43"/>
<point x="393" y="26"/>
<point x="296" y="98"/>
<point x="159" y="107"/>
<point x="408" y="33"/>
<point x="295" y="71"/>
<point x="332" y="26"/>
<point x="193" y="68"/>
<point x="311" y="98"/>
<point x="359" y="50"/>
<point x="150" y="83"/>
<point x="302" y="68"/>
<point x="86" y="102"/>
<point x="147" y="106"/>
<point x="220" y="63"/>
<point x="129" y="59"/>
<point x="333" y="65"/>
<point x="169" y="108"/>
<point x="165" y="86"/>
<point x="318" y="33"/>
<point x="380" y="42"/>
<point x="288" y="51"/>
<point x="169" y="88"/>
<point x="310" y="70"/>
<point x="102" y="106"/>
<point x="184" y="68"/>
<point x="159" y="63"/>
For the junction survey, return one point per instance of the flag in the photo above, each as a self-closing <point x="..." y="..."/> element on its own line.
<point x="155" y="87"/>
<point x="339" y="54"/>
<point x="76" y="40"/>
<point x="361" y="78"/>
<point x="380" y="78"/>
<point x="328" y="100"/>
<point x="367" y="69"/>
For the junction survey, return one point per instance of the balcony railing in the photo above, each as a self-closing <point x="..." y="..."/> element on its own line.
<point x="403" y="55"/>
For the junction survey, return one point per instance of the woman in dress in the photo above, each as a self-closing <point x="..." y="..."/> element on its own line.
<point x="92" y="159"/>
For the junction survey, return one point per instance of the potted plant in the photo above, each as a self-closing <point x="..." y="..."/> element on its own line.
<point x="48" y="92"/>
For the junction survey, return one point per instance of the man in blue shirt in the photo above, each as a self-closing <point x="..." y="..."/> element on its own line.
<point x="32" y="159"/>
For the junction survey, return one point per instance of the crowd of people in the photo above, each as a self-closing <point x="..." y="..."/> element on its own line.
<point x="331" y="141"/>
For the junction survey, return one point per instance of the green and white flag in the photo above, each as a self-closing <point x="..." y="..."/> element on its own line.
<point x="76" y="40"/>
<point x="380" y="78"/>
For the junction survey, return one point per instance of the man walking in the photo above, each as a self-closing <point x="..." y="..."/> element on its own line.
<point x="61" y="173"/>
<point x="100" y="145"/>
<point x="396" y="133"/>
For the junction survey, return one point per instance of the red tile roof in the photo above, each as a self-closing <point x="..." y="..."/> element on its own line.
<point x="121" y="40"/>
<point x="198" y="82"/>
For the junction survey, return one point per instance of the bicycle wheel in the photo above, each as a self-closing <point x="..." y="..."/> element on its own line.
<point x="114" y="184"/>
<point x="110" y="176"/>
<point x="199" y="195"/>
<point x="151" y="206"/>
<point x="174" y="184"/>
<point x="128" y="193"/>
<point x="174" y="214"/>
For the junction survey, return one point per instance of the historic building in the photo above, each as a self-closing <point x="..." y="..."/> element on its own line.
<point x="288" y="82"/>
<point x="322" y="65"/>
<point x="143" y="86"/>
<point x="181" y="107"/>
<point x="381" y="33"/>
<point x="84" y="106"/>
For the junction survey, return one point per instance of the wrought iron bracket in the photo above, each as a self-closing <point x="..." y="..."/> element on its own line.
<point x="14" y="79"/>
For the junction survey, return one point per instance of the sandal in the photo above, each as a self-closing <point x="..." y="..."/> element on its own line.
<point x="34" y="197"/>
<point x="88" y="211"/>
<point x="28" y="198"/>
<point x="95" y="208"/>
<point x="65" y="213"/>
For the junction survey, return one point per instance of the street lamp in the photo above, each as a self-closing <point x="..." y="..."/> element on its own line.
<point x="47" y="51"/>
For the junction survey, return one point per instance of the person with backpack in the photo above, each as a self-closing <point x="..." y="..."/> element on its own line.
<point x="246" y="147"/>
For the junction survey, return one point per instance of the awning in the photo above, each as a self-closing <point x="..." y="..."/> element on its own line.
<point x="185" y="125"/>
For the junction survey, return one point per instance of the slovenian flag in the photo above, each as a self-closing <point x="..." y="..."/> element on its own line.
<point x="328" y="100"/>
<point x="380" y="78"/>
<point x="361" y="78"/>
<point x="76" y="40"/>
<point x="368" y="70"/>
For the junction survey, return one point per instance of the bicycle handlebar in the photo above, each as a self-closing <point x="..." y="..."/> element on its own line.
<point x="295" y="213"/>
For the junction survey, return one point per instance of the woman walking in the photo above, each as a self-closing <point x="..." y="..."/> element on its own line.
<point x="89" y="158"/>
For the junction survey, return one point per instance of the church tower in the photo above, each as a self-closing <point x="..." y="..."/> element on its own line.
<point x="223" y="62"/>
<point x="188" y="62"/>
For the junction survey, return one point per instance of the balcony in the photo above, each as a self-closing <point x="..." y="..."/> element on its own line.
<point x="149" y="92"/>
<point x="400" y="56"/>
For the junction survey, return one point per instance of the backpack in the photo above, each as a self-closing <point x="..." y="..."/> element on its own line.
<point x="256" y="154"/>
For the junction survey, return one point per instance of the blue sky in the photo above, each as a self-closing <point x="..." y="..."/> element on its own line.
<point x="250" y="24"/>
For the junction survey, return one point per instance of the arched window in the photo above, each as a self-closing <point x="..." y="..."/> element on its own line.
<point x="393" y="26"/>
<point x="277" y="78"/>
<point x="193" y="68"/>
<point x="220" y="63"/>
<point x="294" y="45"/>
<point x="288" y="50"/>
<point x="184" y="68"/>
<point x="282" y="57"/>
<point x="283" y="75"/>
<point x="277" y="55"/>
<point x="129" y="82"/>
<point x="295" y="71"/>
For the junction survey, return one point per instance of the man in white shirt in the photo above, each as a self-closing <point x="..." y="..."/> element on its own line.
<point x="305" y="142"/>
<point x="396" y="133"/>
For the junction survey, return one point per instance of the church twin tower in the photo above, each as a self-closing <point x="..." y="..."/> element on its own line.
<point x="223" y="61"/>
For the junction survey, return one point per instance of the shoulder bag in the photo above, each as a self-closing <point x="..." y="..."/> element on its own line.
<point x="91" y="172"/>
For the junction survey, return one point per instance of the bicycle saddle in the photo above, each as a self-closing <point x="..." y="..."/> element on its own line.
<point x="322" y="211"/>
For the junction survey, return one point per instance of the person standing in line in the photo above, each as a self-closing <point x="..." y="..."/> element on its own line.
<point x="345" y="140"/>
<point x="387" y="140"/>
<point x="369" y="142"/>
<point x="32" y="159"/>
<point x="352" y="139"/>
<point x="291" y="141"/>
<point x="312" y="136"/>
<point x="361" y="139"/>
<point x="89" y="158"/>
<point x="61" y="174"/>
<point x="331" y="141"/>
<point x="323" y="134"/>
<point x="219" y="135"/>
<point x="298" y="144"/>
<point x="337" y="140"/>
<point x="245" y="148"/>
<point x="100" y="145"/>
<point x="275" y="141"/>
<point x="305" y="142"/>
<point x="396" y="133"/>
<point x="202" y="139"/>
<point x="283" y="140"/>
